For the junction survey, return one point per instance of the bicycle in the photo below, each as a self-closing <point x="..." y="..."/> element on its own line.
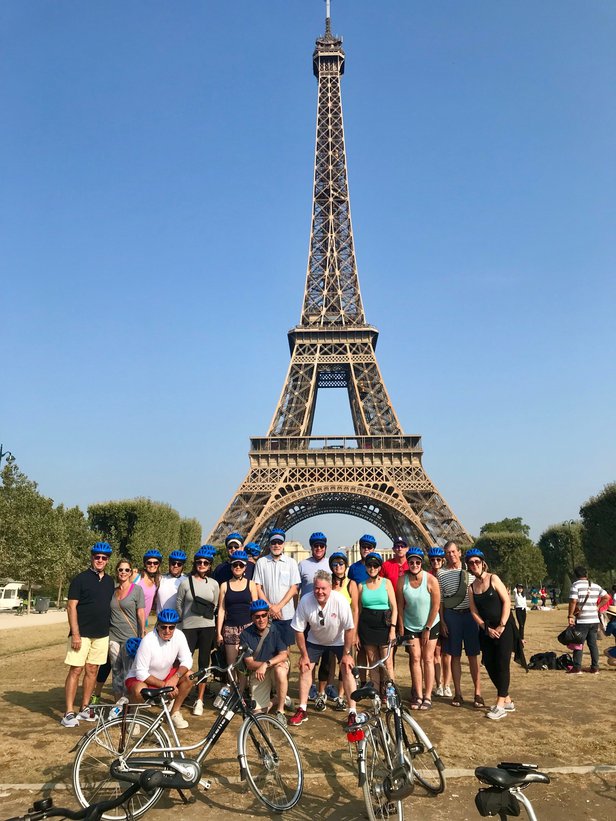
<point x="392" y="751"/>
<point x="268" y="757"/>
<point x="166" y="778"/>
<point x="507" y="782"/>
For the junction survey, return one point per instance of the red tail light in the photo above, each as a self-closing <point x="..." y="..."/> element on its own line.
<point x="355" y="735"/>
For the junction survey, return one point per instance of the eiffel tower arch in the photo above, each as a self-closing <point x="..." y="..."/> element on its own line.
<point x="376" y="473"/>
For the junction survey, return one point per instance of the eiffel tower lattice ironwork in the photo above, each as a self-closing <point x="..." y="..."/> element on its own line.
<point x="376" y="473"/>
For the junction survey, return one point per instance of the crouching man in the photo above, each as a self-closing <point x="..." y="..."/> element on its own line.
<point x="163" y="659"/>
<point x="267" y="661"/>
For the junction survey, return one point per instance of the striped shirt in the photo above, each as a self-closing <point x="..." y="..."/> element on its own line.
<point x="589" y="613"/>
<point x="449" y="581"/>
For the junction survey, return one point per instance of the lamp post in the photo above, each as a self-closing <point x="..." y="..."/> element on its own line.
<point x="7" y="453"/>
<point x="570" y="523"/>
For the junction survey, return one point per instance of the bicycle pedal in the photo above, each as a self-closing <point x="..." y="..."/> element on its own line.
<point x="206" y="784"/>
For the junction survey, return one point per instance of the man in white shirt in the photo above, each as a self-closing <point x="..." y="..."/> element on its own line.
<point x="277" y="579"/>
<point x="585" y="599"/>
<point x="328" y="616"/>
<point x="169" y="583"/>
<point x="163" y="660"/>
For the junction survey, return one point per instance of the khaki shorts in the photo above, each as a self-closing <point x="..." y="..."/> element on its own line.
<point x="92" y="651"/>
<point x="261" y="691"/>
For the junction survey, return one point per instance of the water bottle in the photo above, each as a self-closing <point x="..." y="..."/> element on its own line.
<point x="223" y="695"/>
<point x="391" y="695"/>
<point x="116" y="711"/>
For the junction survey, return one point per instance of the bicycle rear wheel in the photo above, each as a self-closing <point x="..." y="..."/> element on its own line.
<point x="428" y="768"/>
<point x="97" y="750"/>
<point x="270" y="761"/>
<point x="378" y="764"/>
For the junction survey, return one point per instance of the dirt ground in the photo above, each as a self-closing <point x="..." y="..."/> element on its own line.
<point x="561" y="722"/>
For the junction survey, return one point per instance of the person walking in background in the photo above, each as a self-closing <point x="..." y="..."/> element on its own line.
<point x="419" y="597"/>
<point x="543" y="594"/>
<point x="149" y="579"/>
<point x="457" y="624"/>
<point x="585" y="599"/>
<point x="519" y="603"/>
<point x="170" y="582"/>
<point x="278" y="580"/>
<point x="197" y="598"/>
<point x="89" y="613"/>
<point x="491" y="608"/>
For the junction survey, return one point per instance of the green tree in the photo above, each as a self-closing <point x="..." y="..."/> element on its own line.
<point x="75" y="539"/>
<point x="561" y="546"/>
<point x="524" y="564"/>
<point x="190" y="535"/>
<point x="506" y="526"/>
<point x="599" y="529"/>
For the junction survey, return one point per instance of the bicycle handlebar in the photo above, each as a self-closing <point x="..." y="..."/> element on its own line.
<point x="206" y="671"/>
<point x="381" y="662"/>
<point x="45" y="809"/>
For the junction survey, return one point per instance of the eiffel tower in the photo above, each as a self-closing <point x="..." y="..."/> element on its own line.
<point x="375" y="474"/>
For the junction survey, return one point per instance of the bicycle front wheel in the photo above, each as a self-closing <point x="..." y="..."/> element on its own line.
<point x="92" y="780"/>
<point x="428" y="768"/>
<point x="270" y="762"/>
<point x="378" y="763"/>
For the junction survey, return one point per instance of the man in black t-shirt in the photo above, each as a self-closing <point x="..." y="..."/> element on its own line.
<point x="89" y="611"/>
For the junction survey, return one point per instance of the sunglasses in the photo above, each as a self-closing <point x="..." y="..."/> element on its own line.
<point x="372" y="565"/>
<point x="319" y="546"/>
<point x="414" y="561"/>
<point x="400" y="547"/>
<point x="338" y="564"/>
<point x="260" y="616"/>
<point x="321" y="616"/>
<point x="203" y="561"/>
<point x="123" y="570"/>
<point x="152" y="564"/>
<point x="167" y="626"/>
<point x="238" y="564"/>
<point x="176" y="564"/>
<point x="474" y="561"/>
<point x="101" y="558"/>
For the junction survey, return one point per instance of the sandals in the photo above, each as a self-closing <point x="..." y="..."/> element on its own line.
<point x="426" y="704"/>
<point x="416" y="703"/>
<point x="479" y="703"/>
<point x="457" y="700"/>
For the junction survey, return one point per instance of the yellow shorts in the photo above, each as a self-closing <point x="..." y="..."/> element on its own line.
<point x="92" y="651"/>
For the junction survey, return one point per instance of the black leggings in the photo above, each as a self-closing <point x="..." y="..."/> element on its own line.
<point x="203" y="639"/>
<point x="520" y="614"/>
<point x="496" y="658"/>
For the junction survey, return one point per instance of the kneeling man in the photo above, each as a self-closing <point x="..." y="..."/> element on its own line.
<point x="267" y="660"/>
<point x="163" y="659"/>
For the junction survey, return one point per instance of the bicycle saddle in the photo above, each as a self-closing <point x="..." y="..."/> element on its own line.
<point x="367" y="691"/>
<point x="153" y="692"/>
<point x="505" y="778"/>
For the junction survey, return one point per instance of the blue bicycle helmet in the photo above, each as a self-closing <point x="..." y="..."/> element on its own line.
<point x="169" y="616"/>
<point x="177" y="555"/>
<point x="318" y="538"/>
<point x="473" y="551"/>
<point x="132" y="645"/>
<point x="436" y="552"/>
<point x="375" y="557"/>
<point x="253" y="549"/>
<point x="234" y="537"/>
<point x="414" y="551"/>
<point x="278" y="534"/>
<point x="258" y="605"/>
<point x="153" y="554"/>
<point x="339" y="555"/>
<point x="104" y="548"/>
<point x="367" y="539"/>
<point x="239" y="556"/>
<point x="206" y="551"/>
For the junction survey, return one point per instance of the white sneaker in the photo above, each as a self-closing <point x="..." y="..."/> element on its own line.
<point x="447" y="692"/>
<point x="496" y="713"/>
<point x="288" y="703"/>
<point x="69" y="720"/>
<point x="197" y="709"/>
<point x="440" y="692"/>
<point x="510" y="707"/>
<point x="86" y="714"/>
<point x="179" y="721"/>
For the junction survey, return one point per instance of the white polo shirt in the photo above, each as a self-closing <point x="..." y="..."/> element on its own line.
<point x="276" y="576"/>
<point x="336" y="617"/>
<point x="156" y="657"/>
<point x="168" y="592"/>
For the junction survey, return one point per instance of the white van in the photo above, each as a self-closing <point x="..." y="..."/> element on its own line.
<point x="9" y="595"/>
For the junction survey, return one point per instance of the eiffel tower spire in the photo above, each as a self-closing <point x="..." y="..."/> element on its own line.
<point x="375" y="474"/>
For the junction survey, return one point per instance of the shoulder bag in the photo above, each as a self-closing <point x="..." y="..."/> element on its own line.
<point x="200" y="606"/>
<point x="449" y="602"/>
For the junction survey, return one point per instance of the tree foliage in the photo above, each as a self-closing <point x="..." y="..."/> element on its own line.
<point x="561" y="546"/>
<point x="599" y="529"/>
<point x="133" y="526"/>
<point x="506" y="526"/>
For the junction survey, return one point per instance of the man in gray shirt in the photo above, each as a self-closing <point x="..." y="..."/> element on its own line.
<point x="317" y="561"/>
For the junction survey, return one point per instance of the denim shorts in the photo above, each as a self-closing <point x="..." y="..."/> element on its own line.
<point x="462" y="629"/>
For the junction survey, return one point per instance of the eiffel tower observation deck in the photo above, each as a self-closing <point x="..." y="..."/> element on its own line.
<point x="376" y="472"/>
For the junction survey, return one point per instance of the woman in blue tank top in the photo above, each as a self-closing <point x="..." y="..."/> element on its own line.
<point x="419" y="597"/>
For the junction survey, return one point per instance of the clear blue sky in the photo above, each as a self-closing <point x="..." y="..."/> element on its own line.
<point x="155" y="212"/>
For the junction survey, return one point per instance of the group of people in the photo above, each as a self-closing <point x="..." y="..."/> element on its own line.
<point x="334" y="613"/>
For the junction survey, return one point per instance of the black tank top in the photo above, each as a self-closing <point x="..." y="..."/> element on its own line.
<point x="489" y="606"/>
<point x="237" y="606"/>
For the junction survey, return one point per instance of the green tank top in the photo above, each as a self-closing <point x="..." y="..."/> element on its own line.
<point x="376" y="599"/>
<point x="416" y="605"/>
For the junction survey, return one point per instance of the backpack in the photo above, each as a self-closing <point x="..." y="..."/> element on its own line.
<point x="542" y="661"/>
